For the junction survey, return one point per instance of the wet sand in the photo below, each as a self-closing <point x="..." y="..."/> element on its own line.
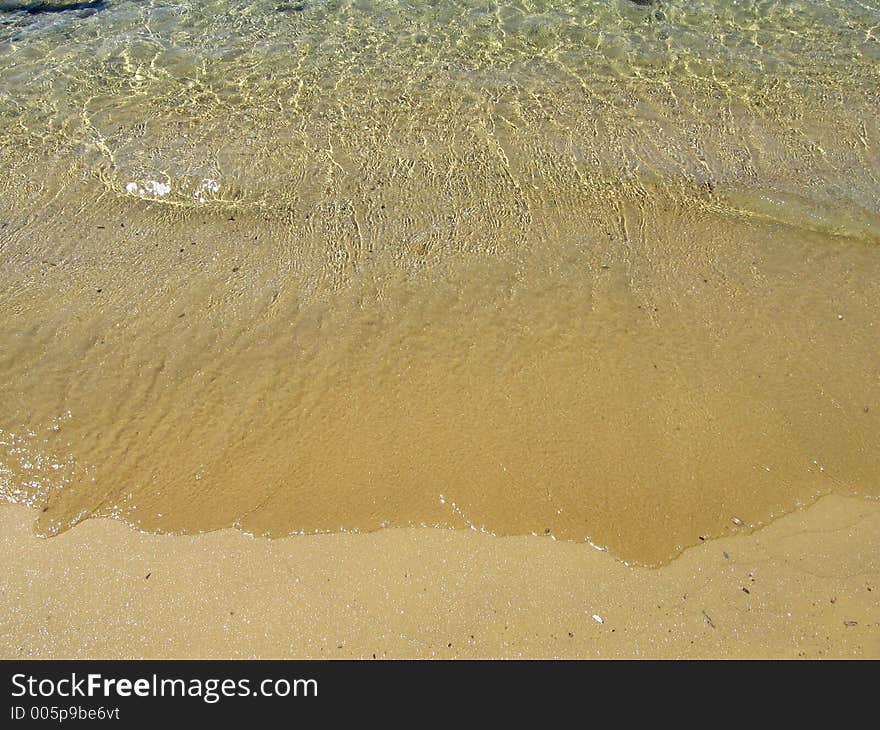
<point x="639" y="384"/>
<point x="560" y="278"/>
<point x="804" y="587"/>
<point x="595" y="273"/>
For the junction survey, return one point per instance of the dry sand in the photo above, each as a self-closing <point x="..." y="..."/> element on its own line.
<point x="805" y="586"/>
<point x="603" y="276"/>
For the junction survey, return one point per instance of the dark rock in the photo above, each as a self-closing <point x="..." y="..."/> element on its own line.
<point x="38" y="7"/>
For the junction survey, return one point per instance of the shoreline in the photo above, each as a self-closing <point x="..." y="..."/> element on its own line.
<point x="803" y="586"/>
<point x="589" y="387"/>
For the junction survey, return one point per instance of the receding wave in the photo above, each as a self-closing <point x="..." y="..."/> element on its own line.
<point x="604" y="271"/>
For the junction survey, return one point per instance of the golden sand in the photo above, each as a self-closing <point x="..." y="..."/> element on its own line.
<point x="639" y="390"/>
<point x="806" y="586"/>
<point x="562" y="275"/>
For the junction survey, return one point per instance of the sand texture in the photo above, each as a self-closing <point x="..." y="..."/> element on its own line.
<point x="806" y="586"/>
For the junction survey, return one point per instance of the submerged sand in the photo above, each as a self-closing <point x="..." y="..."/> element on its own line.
<point x="605" y="273"/>
<point x="642" y="384"/>
<point x="562" y="278"/>
<point x="804" y="587"/>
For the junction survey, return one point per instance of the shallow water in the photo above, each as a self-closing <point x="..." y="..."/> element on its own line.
<point x="591" y="270"/>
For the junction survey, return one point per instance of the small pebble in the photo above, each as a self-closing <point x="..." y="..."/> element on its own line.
<point x="598" y="619"/>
